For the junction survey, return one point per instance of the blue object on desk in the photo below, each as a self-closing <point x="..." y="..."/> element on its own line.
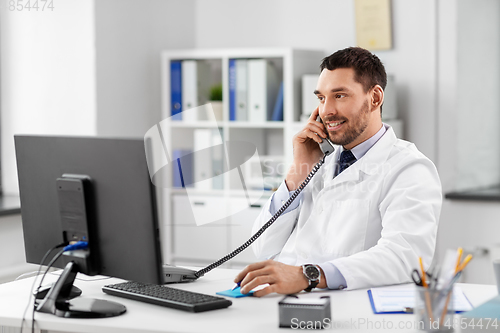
<point x="236" y="293"/>
<point x="489" y="309"/>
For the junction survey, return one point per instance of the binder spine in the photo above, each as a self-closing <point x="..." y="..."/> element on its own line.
<point x="232" y="89"/>
<point x="176" y="90"/>
<point x="241" y="90"/>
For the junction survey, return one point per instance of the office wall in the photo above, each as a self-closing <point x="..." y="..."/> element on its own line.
<point x="478" y="95"/>
<point x="48" y="76"/>
<point x="129" y="37"/>
<point x="468" y="142"/>
<point x="47" y="87"/>
<point x="330" y="25"/>
<point x="12" y="257"/>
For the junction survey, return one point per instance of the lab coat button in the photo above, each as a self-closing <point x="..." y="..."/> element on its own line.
<point x="341" y="287"/>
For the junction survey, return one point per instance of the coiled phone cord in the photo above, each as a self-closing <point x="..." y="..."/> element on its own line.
<point x="252" y="239"/>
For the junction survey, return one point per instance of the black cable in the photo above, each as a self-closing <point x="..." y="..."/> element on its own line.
<point x="252" y="239"/>
<point x="54" y="259"/>
<point x="34" y="279"/>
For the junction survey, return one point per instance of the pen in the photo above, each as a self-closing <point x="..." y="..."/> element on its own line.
<point x="236" y="285"/>
<point x="458" y="270"/>
<point x="447" y="291"/>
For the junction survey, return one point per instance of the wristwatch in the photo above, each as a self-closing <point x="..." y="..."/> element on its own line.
<point x="312" y="274"/>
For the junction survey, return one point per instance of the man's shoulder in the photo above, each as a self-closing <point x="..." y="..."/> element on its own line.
<point x="403" y="152"/>
<point x="405" y="147"/>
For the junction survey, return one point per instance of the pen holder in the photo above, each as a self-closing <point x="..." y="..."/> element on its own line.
<point x="434" y="310"/>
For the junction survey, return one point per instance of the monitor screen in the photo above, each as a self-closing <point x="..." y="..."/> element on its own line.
<point x="120" y="198"/>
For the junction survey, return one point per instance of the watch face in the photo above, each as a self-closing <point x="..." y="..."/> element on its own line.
<point x="312" y="272"/>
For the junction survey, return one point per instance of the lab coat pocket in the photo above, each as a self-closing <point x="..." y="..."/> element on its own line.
<point x="345" y="224"/>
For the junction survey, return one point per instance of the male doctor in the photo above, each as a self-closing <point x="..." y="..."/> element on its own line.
<point x="368" y="214"/>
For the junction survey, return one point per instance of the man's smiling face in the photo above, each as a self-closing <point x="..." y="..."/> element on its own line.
<point x="344" y="107"/>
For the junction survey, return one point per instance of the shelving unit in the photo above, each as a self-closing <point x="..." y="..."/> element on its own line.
<point x="184" y="241"/>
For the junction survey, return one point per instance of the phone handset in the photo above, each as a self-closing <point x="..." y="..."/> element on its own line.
<point x="327" y="148"/>
<point x="325" y="145"/>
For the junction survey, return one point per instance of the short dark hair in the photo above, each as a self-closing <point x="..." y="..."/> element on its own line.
<point x="368" y="69"/>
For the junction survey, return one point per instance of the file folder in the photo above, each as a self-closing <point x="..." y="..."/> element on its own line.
<point x="241" y="90"/>
<point x="232" y="89"/>
<point x="263" y="85"/>
<point x="195" y="87"/>
<point x="175" y="90"/>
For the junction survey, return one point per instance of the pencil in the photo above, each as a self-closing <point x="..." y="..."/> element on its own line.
<point x="459" y="258"/>
<point x="464" y="263"/>
<point x="424" y="282"/>
<point x="427" y="296"/>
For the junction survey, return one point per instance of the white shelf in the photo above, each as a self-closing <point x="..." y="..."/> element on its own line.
<point x="270" y="137"/>
<point x="242" y="53"/>
<point x="228" y="124"/>
<point x="246" y="124"/>
<point x="197" y="124"/>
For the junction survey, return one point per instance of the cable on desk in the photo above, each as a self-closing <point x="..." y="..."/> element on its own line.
<point x="34" y="280"/>
<point x="54" y="259"/>
<point x="67" y="247"/>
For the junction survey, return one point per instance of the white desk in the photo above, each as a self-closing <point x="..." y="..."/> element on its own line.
<point x="248" y="314"/>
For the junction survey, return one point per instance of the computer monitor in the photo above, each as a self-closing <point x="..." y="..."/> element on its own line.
<point x="91" y="189"/>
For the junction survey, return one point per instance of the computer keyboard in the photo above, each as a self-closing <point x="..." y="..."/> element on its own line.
<point x="166" y="296"/>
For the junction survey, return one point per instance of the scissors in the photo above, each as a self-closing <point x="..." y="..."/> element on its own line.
<point x="417" y="277"/>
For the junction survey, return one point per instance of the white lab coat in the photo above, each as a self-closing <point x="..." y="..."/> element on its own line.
<point x="372" y="221"/>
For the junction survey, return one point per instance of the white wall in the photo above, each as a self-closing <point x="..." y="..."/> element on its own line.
<point x="48" y="76"/>
<point x="130" y="35"/>
<point x="478" y="95"/>
<point x="468" y="141"/>
<point x="329" y="25"/>
<point x="12" y="257"/>
<point x="86" y="68"/>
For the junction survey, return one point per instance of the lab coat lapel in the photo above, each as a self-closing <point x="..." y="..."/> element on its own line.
<point x="368" y="164"/>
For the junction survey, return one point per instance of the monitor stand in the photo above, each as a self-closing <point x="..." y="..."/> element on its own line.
<point x="58" y="300"/>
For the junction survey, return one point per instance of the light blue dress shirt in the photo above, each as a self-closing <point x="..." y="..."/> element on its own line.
<point x="334" y="279"/>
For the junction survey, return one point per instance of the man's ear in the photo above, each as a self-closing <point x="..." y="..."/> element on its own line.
<point x="377" y="97"/>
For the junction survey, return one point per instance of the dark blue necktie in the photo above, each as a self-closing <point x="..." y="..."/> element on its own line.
<point x="346" y="159"/>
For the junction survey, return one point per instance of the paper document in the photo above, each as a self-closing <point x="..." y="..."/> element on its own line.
<point x="396" y="298"/>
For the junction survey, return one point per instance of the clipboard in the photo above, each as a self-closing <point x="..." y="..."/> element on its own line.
<point x="401" y="297"/>
<point x="370" y="296"/>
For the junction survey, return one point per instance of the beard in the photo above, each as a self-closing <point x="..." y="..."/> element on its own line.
<point x="355" y="126"/>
